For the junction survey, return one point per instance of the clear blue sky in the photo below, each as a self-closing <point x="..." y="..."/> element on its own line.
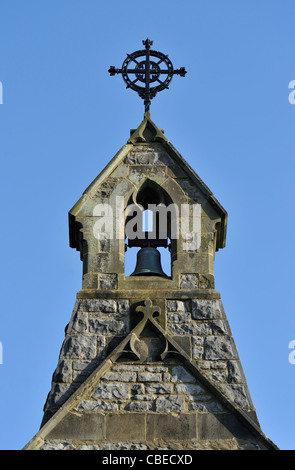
<point x="63" y="118"/>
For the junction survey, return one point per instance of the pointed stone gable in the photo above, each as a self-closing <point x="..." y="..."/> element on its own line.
<point x="148" y="362"/>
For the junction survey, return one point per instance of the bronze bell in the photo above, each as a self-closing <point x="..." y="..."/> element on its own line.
<point x="148" y="263"/>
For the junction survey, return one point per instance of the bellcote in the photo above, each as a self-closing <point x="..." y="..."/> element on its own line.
<point x="147" y="172"/>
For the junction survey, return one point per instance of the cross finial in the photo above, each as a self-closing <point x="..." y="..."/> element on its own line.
<point x="147" y="43"/>
<point x="152" y="69"/>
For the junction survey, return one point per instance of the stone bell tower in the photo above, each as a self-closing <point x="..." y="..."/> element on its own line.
<point x="148" y="360"/>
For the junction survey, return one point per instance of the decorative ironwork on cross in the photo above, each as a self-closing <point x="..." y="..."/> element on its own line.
<point x="147" y="67"/>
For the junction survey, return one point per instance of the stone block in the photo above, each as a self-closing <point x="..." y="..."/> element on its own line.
<point x="103" y="262"/>
<point x="104" y="246"/>
<point x="197" y="340"/>
<point x="171" y="427"/>
<point x="144" y="397"/>
<point x="79" y="323"/>
<point x="175" y="171"/>
<point x="170" y="404"/>
<point x="149" y="377"/>
<point x="108" y="281"/>
<point x="159" y="389"/>
<point x="238" y="394"/>
<point x="197" y="352"/>
<point x="219" y="347"/>
<point x="112" y="390"/>
<point x="123" y="306"/>
<point x="124" y="446"/>
<point x="193" y="389"/>
<point x="189" y="281"/>
<point x="63" y="373"/>
<point x="128" y="368"/>
<point x="104" y="326"/>
<point x="178" y="306"/>
<point x="197" y="281"/>
<point x="180" y="374"/>
<point x="120" y="376"/>
<point x="96" y="405"/>
<point x="191" y="329"/>
<point x="101" y="305"/>
<point x="80" y="347"/>
<point x="59" y="394"/>
<point x="184" y="342"/>
<point x="57" y="445"/>
<point x="139" y="173"/>
<point x="139" y="406"/>
<point x="220" y="426"/>
<point x="178" y="317"/>
<point x="220" y="327"/>
<point x="120" y="172"/>
<point x="125" y="427"/>
<point x="137" y="389"/>
<point x="148" y="155"/>
<point x="235" y="372"/>
<point x="207" y="309"/>
<point x="207" y="407"/>
<point x="90" y="243"/>
<point x="84" y="367"/>
<point x="90" y="281"/>
<point x="79" y="427"/>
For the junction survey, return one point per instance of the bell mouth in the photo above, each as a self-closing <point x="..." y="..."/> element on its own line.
<point x="148" y="263"/>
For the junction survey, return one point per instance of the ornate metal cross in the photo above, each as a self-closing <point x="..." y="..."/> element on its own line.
<point x="147" y="72"/>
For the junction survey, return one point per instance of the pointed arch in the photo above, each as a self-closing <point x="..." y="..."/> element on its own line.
<point x="150" y="196"/>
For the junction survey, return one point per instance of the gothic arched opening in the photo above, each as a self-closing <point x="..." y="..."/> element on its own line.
<point x="149" y="223"/>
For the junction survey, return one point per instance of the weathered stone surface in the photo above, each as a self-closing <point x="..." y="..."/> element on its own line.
<point x="193" y="389"/>
<point x="96" y="405"/>
<point x="124" y="446"/>
<point x="171" y="427"/>
<point x="57" y="445"/>
<point x="159" y="389"/>
<point x="108" y="281"/>
<point x="139" y="406"/>
<point x="220" y="426"/>
<point x="145" y="155"/>
<point x="207" y="309"/>
<point x="211" y="407"/>
<point x="63" y="373"/>
<point x="179" y="317"/>
<point x="189" y="281"/>
<point x="238" y="394"/>
<point x="220" y="327"/>
<point x="103" y="306"/>
<point x="219" y="347"/>
<point x="106" y="326"/>
<point x="235" y="372"/>
<point x="123" y="306"/>
<point x="169" y="404"/>
<point x="59" y="394"/>
<point x="178" y="306"/>
<point x="180" y="374"/>
<point x="121" y="376"/>
<point x="129" y="425"/>
<point x="191" y="329"/>
<point x="80" y="427"/>
<point x="112" y="391"/>
<point x="149" y="377"/>
<point x="80" y="346"/>
<point x="79" y="323"/>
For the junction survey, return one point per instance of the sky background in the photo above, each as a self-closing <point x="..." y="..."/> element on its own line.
<point x="63" y="118"/>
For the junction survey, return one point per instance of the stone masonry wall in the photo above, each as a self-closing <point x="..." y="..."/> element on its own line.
<point x="149" y="406"/>
<point x="199" y="326"/>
